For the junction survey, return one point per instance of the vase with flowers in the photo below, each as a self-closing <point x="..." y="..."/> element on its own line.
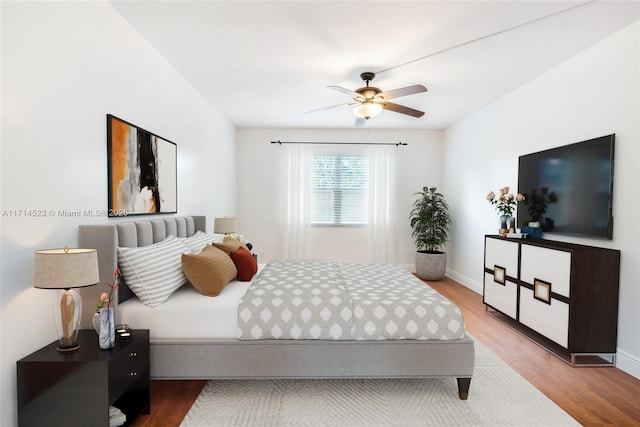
<point x="505" y="204"/>
<point x="105" y="325"/>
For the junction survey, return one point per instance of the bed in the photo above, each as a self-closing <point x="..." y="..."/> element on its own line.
<point x="190" y="338"/>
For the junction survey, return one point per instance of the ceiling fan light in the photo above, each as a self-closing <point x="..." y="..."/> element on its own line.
<point x="368" y="109"/>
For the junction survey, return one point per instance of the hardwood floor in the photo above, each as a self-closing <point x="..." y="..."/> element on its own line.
<point x="601" y="396"/>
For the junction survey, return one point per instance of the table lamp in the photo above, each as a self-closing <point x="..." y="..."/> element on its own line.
<point x="224" y="225"/>
<point x="66" y="269"/>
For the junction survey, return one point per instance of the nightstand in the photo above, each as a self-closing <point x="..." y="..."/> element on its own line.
<point x="76" y="389"/>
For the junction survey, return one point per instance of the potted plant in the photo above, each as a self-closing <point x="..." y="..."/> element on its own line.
<point x="430" y="223"/>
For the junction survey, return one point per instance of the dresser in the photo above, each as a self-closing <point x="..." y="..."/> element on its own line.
<point x="562" y="295"/>
<point x="77" y="388"/>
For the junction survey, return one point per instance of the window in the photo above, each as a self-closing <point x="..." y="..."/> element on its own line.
<point x="339" y="187"/>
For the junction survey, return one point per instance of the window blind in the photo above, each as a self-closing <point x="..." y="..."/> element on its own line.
<point x="339" y="187"/>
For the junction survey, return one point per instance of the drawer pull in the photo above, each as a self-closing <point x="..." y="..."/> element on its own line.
<point x="499" y="274"/>
<point x="133" y="354"/>
<point x="542" y="291"/>
<point x="133" y="374"/>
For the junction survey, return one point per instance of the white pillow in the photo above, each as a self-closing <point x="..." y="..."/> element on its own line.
<point x="153" y="272"/>
<point x="197" y="242"/>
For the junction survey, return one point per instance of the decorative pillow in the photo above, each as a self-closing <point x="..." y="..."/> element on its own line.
<point x="229" y="245"/>
<point x="209" y="271"/>
<point x="153" y="272"/>
<point x="245" y="263"/>
<point x="197" y="242"/>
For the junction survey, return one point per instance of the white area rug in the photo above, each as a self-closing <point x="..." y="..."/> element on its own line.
<point x="498" y="396"/>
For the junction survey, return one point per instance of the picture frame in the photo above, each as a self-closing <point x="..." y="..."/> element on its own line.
<point x="141" y="169"/>
<point x="499" y="274"/>
<point x="542" y="290"/>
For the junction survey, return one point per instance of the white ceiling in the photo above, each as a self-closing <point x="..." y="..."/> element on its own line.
<point x="266" y="63"/>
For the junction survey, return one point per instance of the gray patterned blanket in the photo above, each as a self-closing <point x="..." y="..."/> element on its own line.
<point x="313" y="299"/>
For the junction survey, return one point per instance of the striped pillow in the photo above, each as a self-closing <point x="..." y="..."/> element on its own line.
<point x="197" y="242"/>
<point x="153" y="272"/>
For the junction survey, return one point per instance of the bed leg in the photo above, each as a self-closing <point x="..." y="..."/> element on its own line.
<point x="463" y="387"/>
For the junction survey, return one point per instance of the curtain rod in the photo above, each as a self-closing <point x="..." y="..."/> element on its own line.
<point x="397" y="144"/>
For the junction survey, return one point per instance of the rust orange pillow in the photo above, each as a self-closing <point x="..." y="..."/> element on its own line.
<point x="246" y="264"/>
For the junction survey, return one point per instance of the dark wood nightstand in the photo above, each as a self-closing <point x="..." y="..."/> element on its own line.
<point x="76" y="389"/>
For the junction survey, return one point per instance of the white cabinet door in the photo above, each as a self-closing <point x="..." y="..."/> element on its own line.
<point x="501" y="297"/>
<point x="501" y="256"/>
<point x="502" y="253"/>
<point x="549" y="265"/>
<point x="550" y="320"/>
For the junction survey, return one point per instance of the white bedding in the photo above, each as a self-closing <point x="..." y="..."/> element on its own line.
<point x="181" y="316"/>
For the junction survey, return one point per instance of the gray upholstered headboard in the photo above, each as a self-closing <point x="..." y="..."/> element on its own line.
<point x="106" y="238"/>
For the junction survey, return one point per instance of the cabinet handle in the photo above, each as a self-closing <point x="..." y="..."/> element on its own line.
<point x="133" y="354"/>
<point x="542" y="290"/>
<point x="133" y="374"/>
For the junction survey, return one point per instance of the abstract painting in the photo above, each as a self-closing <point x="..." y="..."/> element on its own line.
<point x="142" y="170"/>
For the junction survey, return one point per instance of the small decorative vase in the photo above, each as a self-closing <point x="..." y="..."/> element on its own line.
<point x="512" y="225"/>
<point x="504" y="223"/>
<point x="95" y="321"/>
<point x="107" y="336"/>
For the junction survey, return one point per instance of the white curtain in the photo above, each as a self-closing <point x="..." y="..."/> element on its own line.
<point x="381" y="201"/>
<point x="382" y="243"/>
<point x="296" y="241"/>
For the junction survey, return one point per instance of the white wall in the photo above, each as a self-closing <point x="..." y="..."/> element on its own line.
<point x="65" y="65"/>
<point x="262" y="189"/>
<point x="593" y="94"/>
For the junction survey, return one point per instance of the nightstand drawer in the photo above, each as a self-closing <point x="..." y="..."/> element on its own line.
<point x="128" y="367"/>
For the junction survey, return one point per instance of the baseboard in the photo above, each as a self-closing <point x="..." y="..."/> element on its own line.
<point x="465" y="281"/>
<point x="411" y="268"/>
<point x="628" y="363"/>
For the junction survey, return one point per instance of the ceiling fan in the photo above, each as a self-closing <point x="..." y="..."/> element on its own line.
<point x="369" y="101"/>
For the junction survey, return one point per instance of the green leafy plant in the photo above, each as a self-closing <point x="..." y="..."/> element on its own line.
<point x="430" y="220"/>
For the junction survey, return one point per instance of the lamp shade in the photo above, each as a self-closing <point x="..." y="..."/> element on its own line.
<point x="224" y="225"/>
<point x="65" y="268"/>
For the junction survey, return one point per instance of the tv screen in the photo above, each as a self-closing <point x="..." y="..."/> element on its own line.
<point x="569" y="189"/>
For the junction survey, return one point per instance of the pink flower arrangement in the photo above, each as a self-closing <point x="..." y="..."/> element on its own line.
<point x="506" y="202"/>
<point x="105" y="297"/>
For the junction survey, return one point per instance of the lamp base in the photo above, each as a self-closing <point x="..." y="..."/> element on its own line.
<point x="68" y="349"/>
<point x="67" y="312"/>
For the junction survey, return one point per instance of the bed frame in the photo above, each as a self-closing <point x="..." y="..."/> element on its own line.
<point x="235" y="359"/>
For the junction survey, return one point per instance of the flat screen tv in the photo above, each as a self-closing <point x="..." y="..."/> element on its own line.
<point x="569" y="189"/>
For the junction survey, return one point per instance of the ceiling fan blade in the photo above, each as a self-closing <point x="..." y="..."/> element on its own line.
<point x="360" y="122"/>
<point x="403" y="91"/>
<point x="331" y="107"/>
<point x="345" y="91"/>
<point x="397" y="108"/>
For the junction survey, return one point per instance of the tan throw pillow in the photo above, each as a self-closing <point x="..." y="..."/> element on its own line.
<point x="209" y="271"/>
<point x="229" y="245"/>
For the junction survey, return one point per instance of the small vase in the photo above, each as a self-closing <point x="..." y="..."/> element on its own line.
<point x="513" y="226"/>
<point x="504" y="223"/>
<point x="107" y="337"/>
